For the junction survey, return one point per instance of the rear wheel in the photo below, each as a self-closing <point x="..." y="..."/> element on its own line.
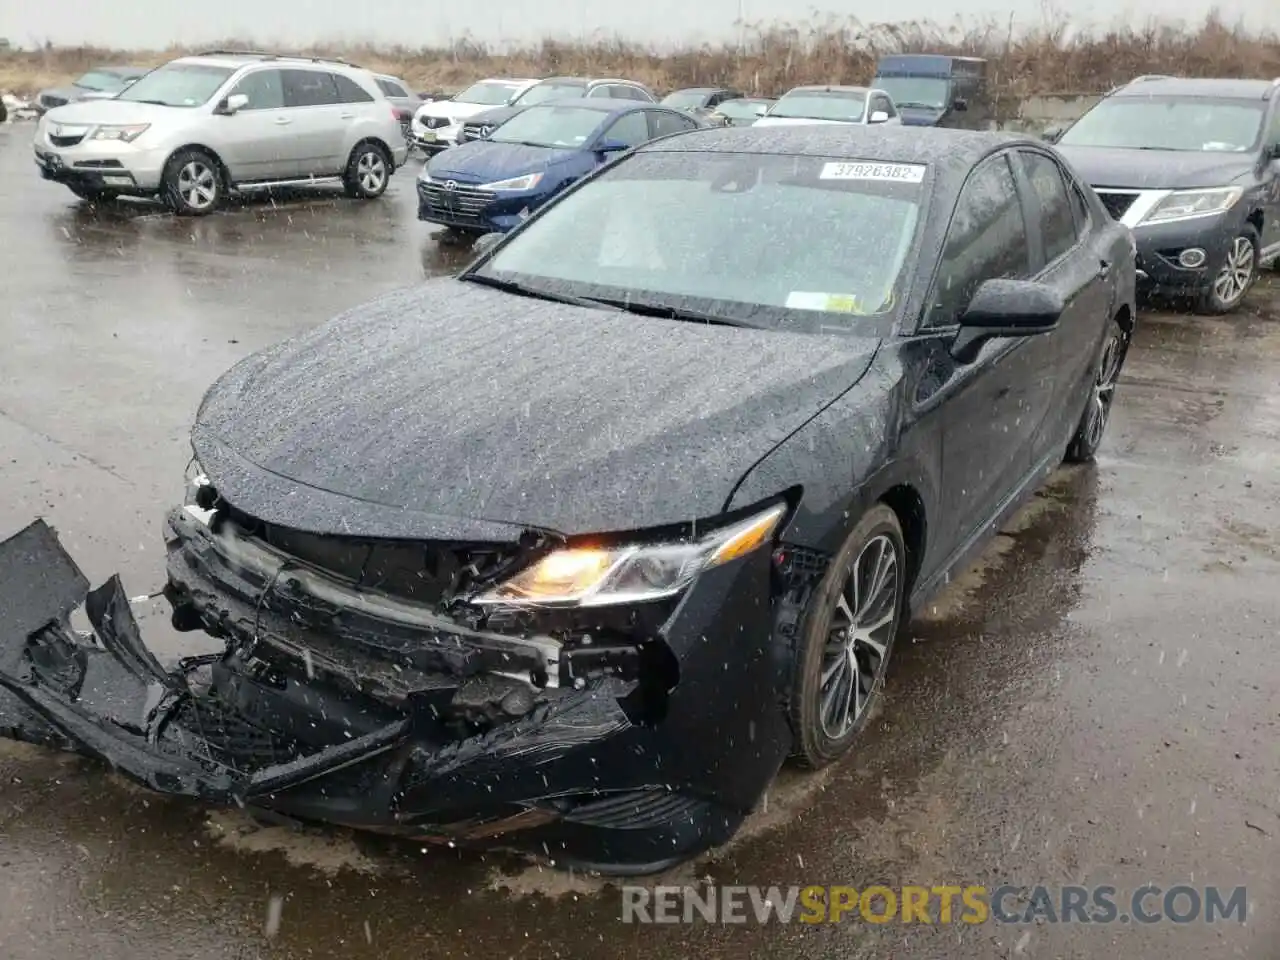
<point x="1093" y="424"/>
<point x="192" y="183"/>
<point x="368" y="171"/>
<point x="847" y="637"/>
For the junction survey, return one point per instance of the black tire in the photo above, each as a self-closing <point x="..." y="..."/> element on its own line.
<point x="368" y="172"/>
<point x="458" y="237"/>
<point x="1239" y="272"/>
<point x="192" y="185"/>
<point x="821" y="734"/>
<point x="90" y="194"/>
<point x="1102" y="391"/>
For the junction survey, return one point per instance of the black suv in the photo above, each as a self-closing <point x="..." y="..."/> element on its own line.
<point x="1193" y="168"/>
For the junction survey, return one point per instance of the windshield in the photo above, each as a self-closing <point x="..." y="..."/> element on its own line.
<point x="931" y="92"/>
<point x="178" y="85"/>
<point x="1196" y="125"/>
<point x="487" y="94"/>
<point x="684" y="99"/>
<point x="549" y="126"/>
<point x="102" y="80"/>
<point x="728" y="235"/>
<point x="550" y="91"/>
<point x="821" y="105"/>
<point x="742" y="108"/>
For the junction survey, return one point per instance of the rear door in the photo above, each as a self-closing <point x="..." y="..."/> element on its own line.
<point x="316" y="123"/>
<point x="1271" y="177"/>
<point x="1079" y="271"/>
<point x="253" y="142"/>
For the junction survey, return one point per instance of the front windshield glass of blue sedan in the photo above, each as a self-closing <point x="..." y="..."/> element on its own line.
<point x="803" y="243"/>
<point x="839" y="105"/>
<point x="1194" y="125"/>
<point x="178" y="85"/>
<point x="551" y="126"/>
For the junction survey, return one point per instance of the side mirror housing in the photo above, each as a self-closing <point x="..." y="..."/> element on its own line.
<point x="1006" y="308"/>
<point x="878" y="116"/>
<point x="611" y="146"/>
<point x="232" y="105"/>
<point x="960" y="104"/>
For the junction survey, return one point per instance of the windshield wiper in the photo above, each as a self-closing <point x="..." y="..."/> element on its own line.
<point x="523" y="290"/>
<point x="671" y="312"/>
<point x="158" y="103"/>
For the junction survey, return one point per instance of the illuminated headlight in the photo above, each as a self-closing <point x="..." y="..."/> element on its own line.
<point x="631" y="573"/>
<point x="1188" y="204"/>
<point x="527" y="182"/>
<point x="125" y="134"/>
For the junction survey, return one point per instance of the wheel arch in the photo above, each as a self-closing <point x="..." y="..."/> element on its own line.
<point x="908" y="505"/>
<point x="223" y="170"/>
<point x="378" y="142"/>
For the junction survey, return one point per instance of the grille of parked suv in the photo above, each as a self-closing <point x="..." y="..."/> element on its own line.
<point x="1116" y="201"/>
<point x="66" y="141"/>
<point x="463" y="202"/>
<point x="435" y="123"/>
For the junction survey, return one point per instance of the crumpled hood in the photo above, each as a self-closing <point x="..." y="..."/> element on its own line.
<point x="1156" y="169"/>
<point x="486" y="161"/>
<point x="449" y="410"/>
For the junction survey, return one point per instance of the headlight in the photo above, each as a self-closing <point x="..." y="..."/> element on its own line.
<point x="527" y="182"/>
<point x="1186" y="204"/>
<point x="593" y="577"/>
<point x="126" y="134"/>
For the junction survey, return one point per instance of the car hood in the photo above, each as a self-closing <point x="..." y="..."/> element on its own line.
<point x="454" y="411"/>
<point x="485" y="161"/>
<point x="1156" y="169"/>
<point x="112" y="110"/>
<point x="451" y="109"/>
<point x="794" y="121"/>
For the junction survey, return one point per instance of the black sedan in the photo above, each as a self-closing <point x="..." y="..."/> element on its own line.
<point x="570" y="553"/>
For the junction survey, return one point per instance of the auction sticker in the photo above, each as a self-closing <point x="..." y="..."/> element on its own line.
<point x="827" y="302"/>
<point x="891" y="172"/>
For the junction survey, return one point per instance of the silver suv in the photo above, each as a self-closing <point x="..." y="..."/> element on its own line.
<point x="200" y="126"/>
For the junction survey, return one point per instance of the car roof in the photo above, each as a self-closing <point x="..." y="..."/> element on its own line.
<point x="1199" y="87"/>
<point x="828" y="88"/>
<point x="602" y="104"/>
<point x="704" y="90"/>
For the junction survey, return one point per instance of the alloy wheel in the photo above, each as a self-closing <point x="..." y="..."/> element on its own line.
<point x="861" y="628"/>
<point x="198" y="185"/>
<point x="371" y="171"/>
<point x="1237" y="272"/>
<point x="1104" y="389"/>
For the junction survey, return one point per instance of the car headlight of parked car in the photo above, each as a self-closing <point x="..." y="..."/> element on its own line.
<point x="527" y="182"/>
<point x="125" y="134"/>
<point x="631" y="573"/>
<point x="1186" y="204"/>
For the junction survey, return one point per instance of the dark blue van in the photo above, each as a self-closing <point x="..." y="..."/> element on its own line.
<point x="931" y="90"/>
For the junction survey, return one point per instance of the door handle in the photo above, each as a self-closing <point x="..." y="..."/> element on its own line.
<point x="283" y="120"/>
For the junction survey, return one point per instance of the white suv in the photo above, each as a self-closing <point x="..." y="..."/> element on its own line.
<point x="200" y="126"/>
<point x="437" y="125"/>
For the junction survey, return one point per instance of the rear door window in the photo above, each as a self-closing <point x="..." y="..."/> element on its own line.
<point x="392" y="89"/>
<point x="309" y="88"/>
<point x="662" y="123"/>
<point x="631" y="129"/>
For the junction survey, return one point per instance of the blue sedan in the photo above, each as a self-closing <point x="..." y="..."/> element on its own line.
<point x="493" y="185"/>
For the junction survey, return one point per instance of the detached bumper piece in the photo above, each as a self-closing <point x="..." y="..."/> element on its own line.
<point x="572" y="779"/>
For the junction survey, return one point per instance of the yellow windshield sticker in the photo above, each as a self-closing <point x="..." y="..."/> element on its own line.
<point x="827" y="302"/>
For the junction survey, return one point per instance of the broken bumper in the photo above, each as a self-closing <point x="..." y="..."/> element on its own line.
<point x="590" y="776"/>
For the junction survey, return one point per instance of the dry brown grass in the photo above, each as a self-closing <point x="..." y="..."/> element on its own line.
<point x="774" y="57"/>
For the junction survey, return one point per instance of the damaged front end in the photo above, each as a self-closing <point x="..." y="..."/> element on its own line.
<point x="362" y="684"/>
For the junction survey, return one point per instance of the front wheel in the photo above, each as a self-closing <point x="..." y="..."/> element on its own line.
<point x="192" y="183"/>
<point x="1239" y="271"/>
<point x="847" y="637"/>
<point x="368" y="171"/>
<point x="1097" y="414"/>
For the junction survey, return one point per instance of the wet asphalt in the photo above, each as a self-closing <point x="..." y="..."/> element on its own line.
<point x="1097" y="702"/>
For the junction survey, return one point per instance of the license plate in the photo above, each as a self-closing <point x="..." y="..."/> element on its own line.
<point x="428" y="136"/>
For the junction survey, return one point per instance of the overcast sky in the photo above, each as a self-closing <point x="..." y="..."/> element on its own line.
<point x="156" y="23"/>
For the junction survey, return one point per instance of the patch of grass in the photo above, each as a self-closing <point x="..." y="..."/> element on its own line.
<point x="1052" y="58"/>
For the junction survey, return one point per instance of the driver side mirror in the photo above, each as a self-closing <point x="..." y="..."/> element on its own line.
<point x="232" y="105"/>
<point x="960" y="104"/>
<point x="611" y="146"/>
<point x="878" y="116"/>
<point x="1006" y="308"/>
